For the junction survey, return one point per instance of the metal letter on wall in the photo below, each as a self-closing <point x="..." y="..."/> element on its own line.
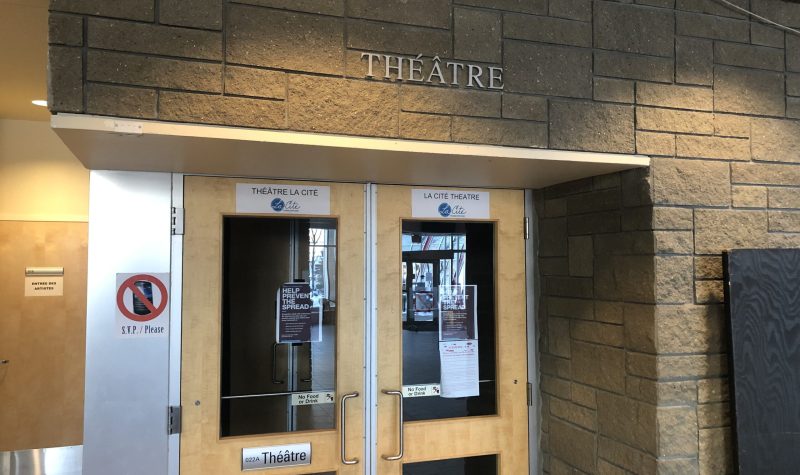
<point x="421" y="70"/>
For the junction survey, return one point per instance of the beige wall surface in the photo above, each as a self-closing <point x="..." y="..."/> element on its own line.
<point x="40" y="179"/>
<point x="23" y="32"/>
<point x="44" y="206"/>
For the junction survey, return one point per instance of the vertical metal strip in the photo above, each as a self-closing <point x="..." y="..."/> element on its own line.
<point x="371" y="332"/>
<point x="531" y="307"/>
<point x="291" y="351"/>
<point x="176" y="291"/>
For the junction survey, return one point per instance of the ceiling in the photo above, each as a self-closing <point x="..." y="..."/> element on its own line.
<point x="23" y="59"/>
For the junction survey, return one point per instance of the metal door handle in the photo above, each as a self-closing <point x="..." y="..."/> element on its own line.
<point x="399" y="394"/>
<point x="343" y="418"/>
<point x="5" y="361"/>
<point x="275" y="379"/>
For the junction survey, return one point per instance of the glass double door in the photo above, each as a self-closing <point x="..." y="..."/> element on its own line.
<point x="321" y="338"/>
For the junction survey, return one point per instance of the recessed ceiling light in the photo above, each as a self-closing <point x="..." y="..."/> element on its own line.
<point x="40" y="103"/>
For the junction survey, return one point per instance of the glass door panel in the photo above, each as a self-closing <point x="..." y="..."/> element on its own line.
<point x="264" y="380"/>
<point x="446" y="253"/>
<point x="482" y="465"/>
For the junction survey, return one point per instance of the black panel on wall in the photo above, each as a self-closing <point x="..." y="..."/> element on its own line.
<point x="763" y="300"/>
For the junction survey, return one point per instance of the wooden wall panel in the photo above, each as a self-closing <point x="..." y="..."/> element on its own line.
<point x="41" y="389"/>
<point x="764" y="309"/>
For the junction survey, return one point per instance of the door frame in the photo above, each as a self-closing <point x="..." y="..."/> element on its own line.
<point x="175" y="318"/>
<point x="532" y="292"/>
<point x="370" y="450"/>
<point x="370" y="333"/>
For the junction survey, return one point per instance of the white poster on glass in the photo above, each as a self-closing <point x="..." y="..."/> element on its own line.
<point x="459" y="368"/>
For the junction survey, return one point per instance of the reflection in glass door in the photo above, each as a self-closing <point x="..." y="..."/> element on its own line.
<point x="262" y="253"/>
<point x="446" y="254"/>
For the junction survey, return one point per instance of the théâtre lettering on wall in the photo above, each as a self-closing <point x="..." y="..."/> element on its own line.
<point x="425" y="70"/>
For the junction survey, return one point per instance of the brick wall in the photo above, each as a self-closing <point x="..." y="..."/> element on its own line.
<point x="633" y="362"/>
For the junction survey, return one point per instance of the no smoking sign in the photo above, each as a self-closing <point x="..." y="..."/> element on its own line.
<point x="142" y="304"/>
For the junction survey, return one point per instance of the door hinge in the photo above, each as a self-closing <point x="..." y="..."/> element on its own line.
<point x="530" y="394"/>
<point x="174" y="420"/>
<point x="526" y="231"/>
<point x="177" y="221"/>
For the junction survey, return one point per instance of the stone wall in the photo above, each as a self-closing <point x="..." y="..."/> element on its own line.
<point x="297" y="65"/>
<point x="634" y="362"/>
<point x="599" y="395"/>
<point x="725" y="147"/>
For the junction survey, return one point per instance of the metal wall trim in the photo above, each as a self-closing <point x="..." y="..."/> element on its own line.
<point x="47" y="461"/>
<point x="371" y="321"/>
<point x="175" y="325"/>
<point x="127" y="379"/>
<point x="531" y="307"/>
